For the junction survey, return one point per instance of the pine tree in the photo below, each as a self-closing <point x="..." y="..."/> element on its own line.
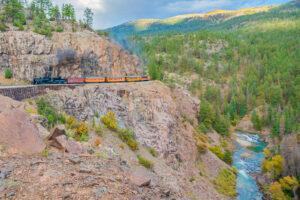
<point x="88" y="17"/>
<point x="8" y="73"/>
<point x="276" y="126"/>
<point x="206" y="114"/>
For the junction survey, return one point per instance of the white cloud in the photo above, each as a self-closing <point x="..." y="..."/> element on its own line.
<point x="97" y="5"/>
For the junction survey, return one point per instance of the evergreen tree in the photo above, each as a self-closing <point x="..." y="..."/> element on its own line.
<point x="256" y="121"/>
<point x="13" y="10"/>
<point x="88" y="17"/>
<point x="68" y="12"/>
<point x="276" y="126"/>
<point x="8" y="73"/>
<point x="55" y="13"/>
<point x="206" y="114"/>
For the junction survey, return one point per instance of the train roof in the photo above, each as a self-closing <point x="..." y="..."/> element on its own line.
<point x="95" y="77"/>
<point x="131" y="76"/>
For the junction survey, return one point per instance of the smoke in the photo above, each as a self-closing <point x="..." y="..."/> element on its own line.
<point x="65" y="56"/>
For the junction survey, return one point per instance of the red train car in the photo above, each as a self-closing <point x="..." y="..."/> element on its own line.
<point x="75" y="80"/>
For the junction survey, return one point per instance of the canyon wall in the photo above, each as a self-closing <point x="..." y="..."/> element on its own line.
<point x="68" y="54"/>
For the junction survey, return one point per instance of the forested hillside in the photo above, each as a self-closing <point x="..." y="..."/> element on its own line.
<point x="239" y="70"/>
<point x="216" y="20"/>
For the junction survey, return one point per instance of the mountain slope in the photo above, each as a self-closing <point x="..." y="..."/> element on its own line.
<point x="216" y="20"/>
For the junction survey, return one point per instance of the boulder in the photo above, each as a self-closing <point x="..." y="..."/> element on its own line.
<point x="140" y="179"/>
<point x="59" y="140"/>
<point x="18" y="133"/>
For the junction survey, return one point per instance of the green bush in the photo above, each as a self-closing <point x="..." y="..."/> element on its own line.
<point x="59" y="29"/>
<point x="128" y="136"/>
<point x="226" y="183"/>
<point x="226" y="156"/>
<point x="8" y="73"/>
<point x="16" y="23"/>
<point x="145" y="162"/>
<point x="45" y="109"/>
<point x="153" y="152"/>
<point x="21" y="28"/>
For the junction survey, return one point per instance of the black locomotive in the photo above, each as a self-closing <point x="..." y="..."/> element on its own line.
<point x="48" y="79"/>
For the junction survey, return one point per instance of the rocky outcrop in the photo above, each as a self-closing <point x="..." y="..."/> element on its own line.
<point x="155" y="112"/>
<point x="68" y="54"/>
<point x="18" y="133"/>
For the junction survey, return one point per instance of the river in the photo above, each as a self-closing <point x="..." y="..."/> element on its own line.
<point x="248" y="161"/>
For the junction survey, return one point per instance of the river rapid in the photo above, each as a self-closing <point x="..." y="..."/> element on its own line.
<point x="247" y="159"/>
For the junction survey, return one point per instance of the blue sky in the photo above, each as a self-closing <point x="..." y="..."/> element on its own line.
<point x="110" y="13"/>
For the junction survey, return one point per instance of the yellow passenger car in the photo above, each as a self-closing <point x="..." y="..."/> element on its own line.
<point x="133" y="78"/>
<point x="94" y="80"/>
<point x="118" y="79"/>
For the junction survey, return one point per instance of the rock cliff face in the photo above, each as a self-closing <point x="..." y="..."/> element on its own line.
<point x="156" y="113"/>
<point x="68" y="54"/>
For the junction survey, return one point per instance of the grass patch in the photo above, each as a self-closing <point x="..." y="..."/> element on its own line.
<point x="145" y="162"/>
<point x="225" y="183"/>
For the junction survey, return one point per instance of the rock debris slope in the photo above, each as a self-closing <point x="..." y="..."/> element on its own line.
<point x="156" y="113"/>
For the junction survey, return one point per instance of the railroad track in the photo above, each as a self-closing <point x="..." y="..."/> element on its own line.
<point x="48" y="85"/>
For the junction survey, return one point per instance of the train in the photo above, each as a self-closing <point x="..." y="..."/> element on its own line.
<point x="48" y="79"/>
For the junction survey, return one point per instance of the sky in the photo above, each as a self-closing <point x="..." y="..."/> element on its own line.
<point x="109" y="13"/>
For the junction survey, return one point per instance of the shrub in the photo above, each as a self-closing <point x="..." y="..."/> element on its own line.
<point x="45" y="109"/>
<point x="21" y="28"/>
<point x="202" y="147"/>
<point x="226" y="156"/>
<point x="192" y="179"/>
<point x="99" y="129"/>
<point x="110" y="120"/>
<point x="133" y="145"/>
<point x="81" y="131"/>
<point x="145" y="162"/>
<point x="46" y="152"/>
<point x="59" y="29"/>
<point x="16" y="23"/>
<point x="71" y="122"/>
<point x="153" y="152"/>
<point x="129" y="137"/>
<point x="202" y="128"/>
<point x="127" y="134"/>
<point x="273" y="165"/>
<point x="122" y="145"/>
<point x="225" y="183"/>
<point x="8" y="73"/>
<point x="97" y="114"/>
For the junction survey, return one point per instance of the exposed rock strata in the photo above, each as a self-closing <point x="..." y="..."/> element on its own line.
<point x="69" y="54"/>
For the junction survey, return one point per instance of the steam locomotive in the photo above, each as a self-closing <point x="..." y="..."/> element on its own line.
<point x="48" y="79"/>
